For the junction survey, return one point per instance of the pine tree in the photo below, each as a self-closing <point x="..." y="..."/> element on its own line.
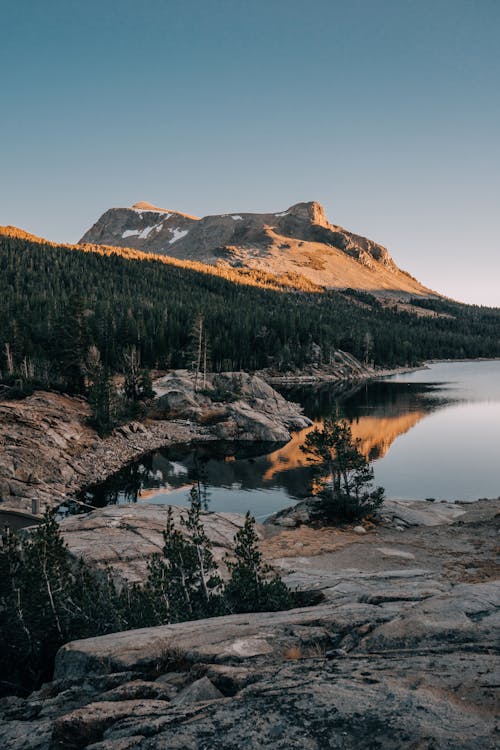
<point x="47" y="599"/>
<point x="102" y="395"/>
<point x="252" y="587"/>
<point x="184" y="582"/>
<point x="200" y="350"/>
<point x="146" y="390"/>
<point x="132" y="372"/>
<point x="345" y="476"/>
<point x="197" y="335"/>
<point x="36" y="587"/>
<point x="9" y="360"/>
<point x="71" y="343"/>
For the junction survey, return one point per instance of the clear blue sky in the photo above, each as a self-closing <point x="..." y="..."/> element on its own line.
<point x="385" y="111"/>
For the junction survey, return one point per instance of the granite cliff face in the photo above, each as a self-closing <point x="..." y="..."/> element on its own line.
<point x="299" y="240"/>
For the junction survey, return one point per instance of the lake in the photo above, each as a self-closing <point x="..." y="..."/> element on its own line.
<point x="432" y="433"/>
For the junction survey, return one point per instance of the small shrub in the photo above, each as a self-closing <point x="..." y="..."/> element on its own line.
<point x="225" y="389"/>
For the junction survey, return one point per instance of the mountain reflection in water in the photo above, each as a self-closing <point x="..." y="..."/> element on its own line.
<point x="423" y="430"/>
<point x="376" y="434"/>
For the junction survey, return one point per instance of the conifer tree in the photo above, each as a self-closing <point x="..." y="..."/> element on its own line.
<point x="47" y="599"/>
<point x="132" y="372"/>
<point x="252" y="587"/>
<point x="72" y="342"/>
<point x="38" y="600"/>
<point x="200" y="351"/>
<point x="344" y="475"/>
<point x="102" y="395"/>
<point x="197" y="345"/>
<point x="184" y="582"/>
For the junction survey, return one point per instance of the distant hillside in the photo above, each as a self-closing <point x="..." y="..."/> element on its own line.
<point x="299" y="240"/>
<point x="58" y="300"/>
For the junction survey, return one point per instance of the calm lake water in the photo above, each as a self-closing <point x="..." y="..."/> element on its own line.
<point x="433" y="433"/>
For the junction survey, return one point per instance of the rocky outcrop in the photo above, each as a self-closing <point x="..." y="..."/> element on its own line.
<point x="41" y="439"/>
<point x="307" y="678"/>
<point x="398" y="513"/>
<point x="402" y="652"/>
<point x="125" y="536"/>
<point x="73" y="455"/>
<point x="343" y="372"/>
<point x="48" y="452"/>
<point x="238" y="405"/>
<point x="299" y="240"/>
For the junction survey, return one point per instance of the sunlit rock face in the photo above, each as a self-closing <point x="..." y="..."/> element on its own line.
<point x="299" y="240"/>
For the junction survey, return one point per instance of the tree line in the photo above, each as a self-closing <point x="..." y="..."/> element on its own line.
<point x="57" y="303"/>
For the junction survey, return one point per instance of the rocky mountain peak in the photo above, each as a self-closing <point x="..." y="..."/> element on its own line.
<point x="298" y="241"/>
<point x="310" y="211"/>
<point x="145" y="206"/>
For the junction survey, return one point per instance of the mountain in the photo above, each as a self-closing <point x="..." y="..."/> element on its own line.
<point x="299" y="240"/>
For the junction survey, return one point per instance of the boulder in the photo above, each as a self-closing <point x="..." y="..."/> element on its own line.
<point x="303" y="512"/>
<point x="229" y="639"/>
<point x="242" y="406"/>
<point x="417" y="513"/>
<point x="81" y="728"/>
<point x="467" y="616"/>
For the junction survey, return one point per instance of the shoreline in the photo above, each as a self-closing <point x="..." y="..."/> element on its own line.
<point x="74" y="457"/>
<point x="322" y="377"/>
<point x="463" y="359"/>
<point x="78" y="458"/>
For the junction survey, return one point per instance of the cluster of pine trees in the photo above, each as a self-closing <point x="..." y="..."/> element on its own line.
<point x="46" y="599"/>
<point x="59" y="304"/>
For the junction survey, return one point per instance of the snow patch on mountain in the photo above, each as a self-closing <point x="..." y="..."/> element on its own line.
<point x="178" y="234"/>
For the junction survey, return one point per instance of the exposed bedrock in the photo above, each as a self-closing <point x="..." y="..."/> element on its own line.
<point x="401" y="653"/>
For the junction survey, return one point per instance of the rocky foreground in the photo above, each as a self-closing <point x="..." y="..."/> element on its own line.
<point x="402" y="652"/>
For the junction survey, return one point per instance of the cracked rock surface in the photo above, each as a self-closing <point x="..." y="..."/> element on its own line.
<point x="125" y="536"/>
<point x="401" y="653"/>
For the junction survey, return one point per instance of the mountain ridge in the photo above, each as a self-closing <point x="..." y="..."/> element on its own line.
<point x="298" y="240"/>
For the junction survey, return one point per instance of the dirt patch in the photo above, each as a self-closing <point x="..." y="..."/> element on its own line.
<point x="307" y="542"/>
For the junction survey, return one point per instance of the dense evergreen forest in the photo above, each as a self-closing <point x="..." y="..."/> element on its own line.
<point x="58" y="302"/>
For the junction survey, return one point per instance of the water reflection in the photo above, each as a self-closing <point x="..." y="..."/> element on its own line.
<point x="375" y="435"/>
<point x="431" y="433"/>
